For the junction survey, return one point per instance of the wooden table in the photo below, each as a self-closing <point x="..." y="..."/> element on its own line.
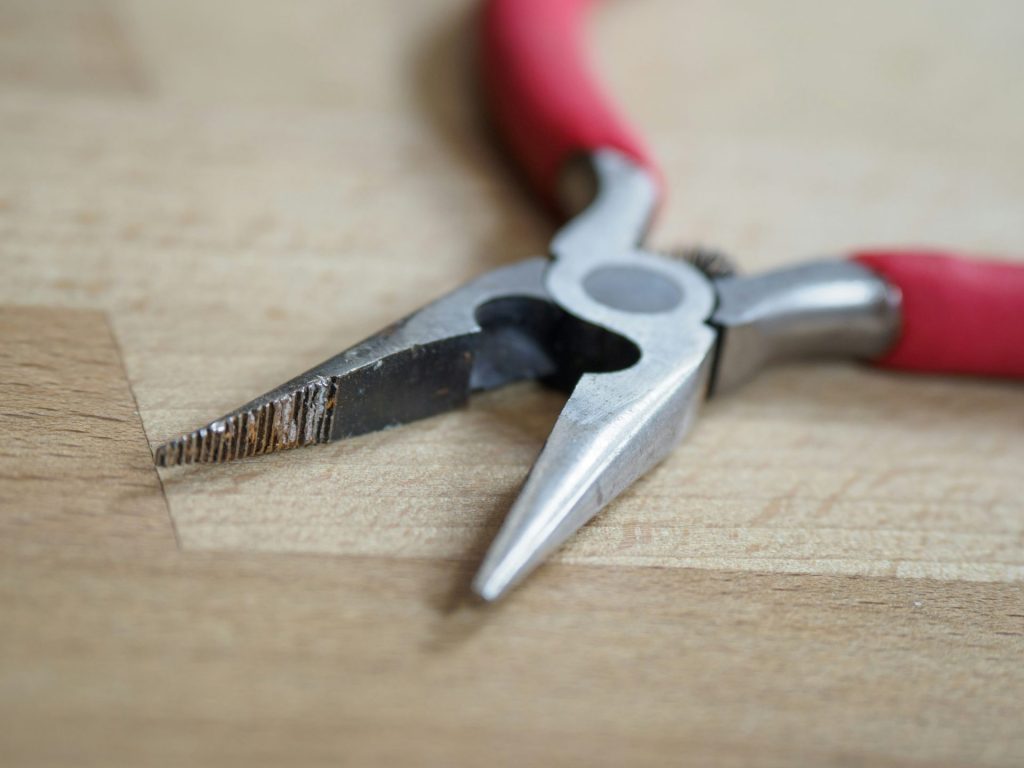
<point x="198" y="200"/>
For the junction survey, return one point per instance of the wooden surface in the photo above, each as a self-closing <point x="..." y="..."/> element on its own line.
<point x="198" y="200"/>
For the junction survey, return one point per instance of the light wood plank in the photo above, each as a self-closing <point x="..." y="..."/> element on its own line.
<point x="67" y="46"/>
<point x="75" y="469"/>
<point x="245" y="188"/>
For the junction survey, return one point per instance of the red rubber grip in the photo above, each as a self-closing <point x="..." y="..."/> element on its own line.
<point x="959" y="315"/>
<point x="540" y="91"/>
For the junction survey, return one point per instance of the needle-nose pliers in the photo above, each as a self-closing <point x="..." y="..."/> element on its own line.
<point x="636" y="338"/>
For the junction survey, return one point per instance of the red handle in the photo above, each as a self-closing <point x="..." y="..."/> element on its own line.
<point x="540" y="91"/>
<point x="959" y="315"/>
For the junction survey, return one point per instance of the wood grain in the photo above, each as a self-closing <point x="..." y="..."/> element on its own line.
<point x="76" y="469"/>
<point x="201" y="199"/>
<point x="353" y="661"/>
<point x="66" y="47"/>
<point x="143" y="655"/>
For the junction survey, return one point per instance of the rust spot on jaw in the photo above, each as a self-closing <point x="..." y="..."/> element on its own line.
<point x="303" y="417"/>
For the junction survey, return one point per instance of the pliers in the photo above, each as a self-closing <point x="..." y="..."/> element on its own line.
<point x="637" y="339"/>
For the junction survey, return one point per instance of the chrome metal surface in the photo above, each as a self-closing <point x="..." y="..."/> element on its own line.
<point x="616" y="425"/>
<point x="613" y="429"/>
<point x="819" y="309"/>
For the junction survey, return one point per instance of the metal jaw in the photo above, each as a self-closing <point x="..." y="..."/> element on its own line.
<point x="616" y="425"/>
<point x="630" y="335"/>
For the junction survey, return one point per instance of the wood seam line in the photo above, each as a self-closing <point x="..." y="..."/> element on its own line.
<point x="142" y="422"/>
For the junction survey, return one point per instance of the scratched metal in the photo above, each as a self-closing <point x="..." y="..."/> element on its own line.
<point x="296" y="419"/>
